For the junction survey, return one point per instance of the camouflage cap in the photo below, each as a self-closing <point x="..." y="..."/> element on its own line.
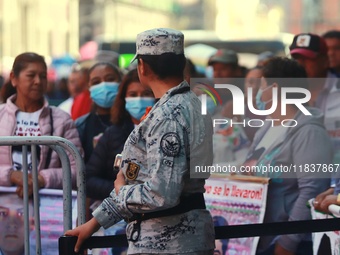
<point x="158" y="41"/>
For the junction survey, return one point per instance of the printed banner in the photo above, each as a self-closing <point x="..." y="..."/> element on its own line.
<point x="236" y="202"/>
<point x="231" y="202"/>
<point x="51" y="221"/>
<point x="325" y="243"/>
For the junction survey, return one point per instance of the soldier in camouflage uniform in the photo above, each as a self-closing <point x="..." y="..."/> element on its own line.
<point x="154" y="191"/>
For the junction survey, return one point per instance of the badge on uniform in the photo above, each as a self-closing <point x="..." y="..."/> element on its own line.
<point x="132" y="171"/>
<point x="170" y="144"/>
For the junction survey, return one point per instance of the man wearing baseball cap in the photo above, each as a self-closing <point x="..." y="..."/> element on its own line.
<point x="310" y="51"/>
<point x="327" y="100"/>
<point x="224" y="63"/>
<point x="153" y="192"/>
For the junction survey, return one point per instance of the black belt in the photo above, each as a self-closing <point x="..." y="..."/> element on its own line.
<point x="187" y="203"/>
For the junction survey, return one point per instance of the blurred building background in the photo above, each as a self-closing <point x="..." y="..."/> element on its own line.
<point x="57" y="27"/>
<point x="49" y="27"/>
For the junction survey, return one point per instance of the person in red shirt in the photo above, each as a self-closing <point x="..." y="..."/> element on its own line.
<point x="81" y="104"/>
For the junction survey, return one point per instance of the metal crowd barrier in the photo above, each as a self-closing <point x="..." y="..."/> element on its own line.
<point x="67" y="243"/>
<point x="60" y="145"/>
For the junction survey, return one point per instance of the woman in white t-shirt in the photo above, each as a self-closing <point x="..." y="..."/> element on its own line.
<point x="27" y="113"/>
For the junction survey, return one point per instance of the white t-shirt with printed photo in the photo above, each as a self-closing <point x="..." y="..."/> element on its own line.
<point x="27" y="125"/>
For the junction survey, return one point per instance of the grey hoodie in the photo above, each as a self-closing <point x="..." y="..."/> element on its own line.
<point x="288" y="193"/>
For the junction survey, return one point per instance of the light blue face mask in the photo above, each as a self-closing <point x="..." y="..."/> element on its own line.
<point x="104" y="93"/>
<point x="136" y="106"/>
<point x="209" y="72"/>
<point x="259" y="103"/>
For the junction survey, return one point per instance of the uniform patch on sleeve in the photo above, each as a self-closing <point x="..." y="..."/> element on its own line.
<point x="132" y="171"/>
<point x="170" y="144"/>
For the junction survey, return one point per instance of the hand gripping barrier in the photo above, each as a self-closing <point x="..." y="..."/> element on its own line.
<point x="60" y="145"/>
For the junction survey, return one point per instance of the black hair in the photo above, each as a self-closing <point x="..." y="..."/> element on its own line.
<point x="286" y="73"/>
<point x="221" y="221"/>
<point x="332" y="34"/>
<point x="165" y="65"/>
<point x="7" y="90"/>
<point x="118" y="110"/>
<point x="191" y="68"/>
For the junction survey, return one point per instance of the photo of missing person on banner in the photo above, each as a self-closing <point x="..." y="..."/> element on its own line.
<point x="12" y="231"/>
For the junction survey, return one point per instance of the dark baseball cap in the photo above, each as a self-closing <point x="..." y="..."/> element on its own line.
<point x="224" y="56"/>
<point x="308" y="45"/>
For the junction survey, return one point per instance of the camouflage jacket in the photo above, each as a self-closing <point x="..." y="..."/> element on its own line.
<point x="156" y="163"/>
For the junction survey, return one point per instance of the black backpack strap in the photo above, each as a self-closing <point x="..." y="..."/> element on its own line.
<point x="49" y="153"/>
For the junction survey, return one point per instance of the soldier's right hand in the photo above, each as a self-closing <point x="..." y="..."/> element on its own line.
<point x="83" y="232"/>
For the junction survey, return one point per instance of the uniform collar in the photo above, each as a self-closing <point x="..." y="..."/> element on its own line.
<point x="179" y="89"/>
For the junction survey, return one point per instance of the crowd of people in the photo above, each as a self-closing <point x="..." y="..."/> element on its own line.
<point x="151" y="115"/>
